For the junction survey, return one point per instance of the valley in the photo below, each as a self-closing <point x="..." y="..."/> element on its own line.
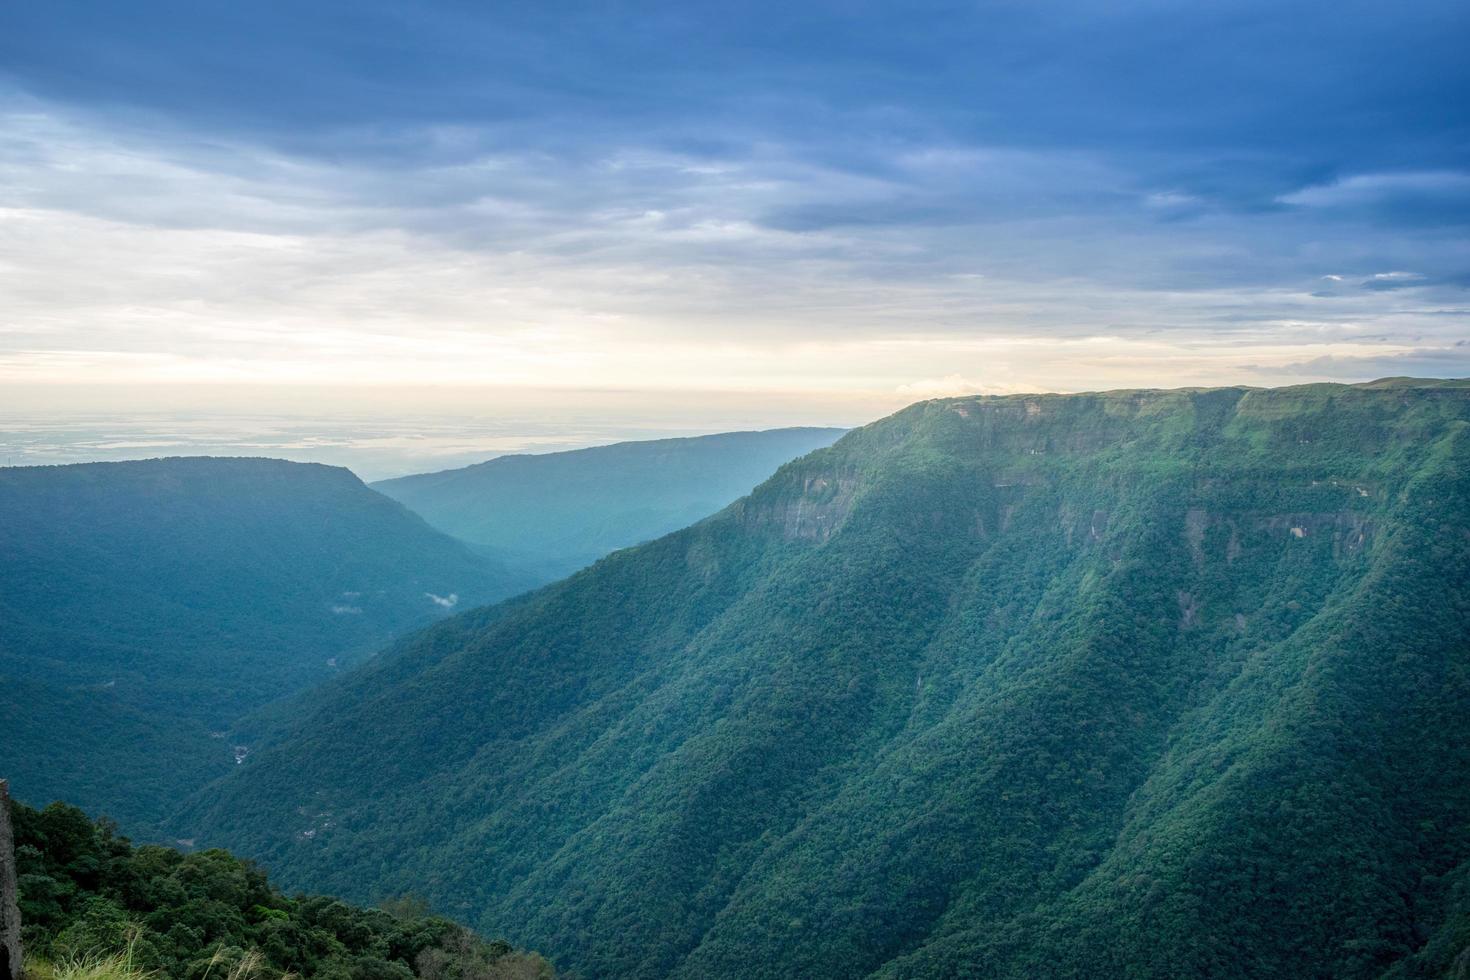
<point x="759" y="491"/>
<point x="993" y="680"/>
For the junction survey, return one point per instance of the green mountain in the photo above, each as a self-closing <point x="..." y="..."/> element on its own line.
<point x="561" y="511"/>
<point x="146" y="605"/>
<point x="1134" y="684"/>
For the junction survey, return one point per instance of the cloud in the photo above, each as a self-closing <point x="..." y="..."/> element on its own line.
<point x="736" y="199"/>
<point x="446" y="602"/>
<point x="1438" y="197"/>
<point x="1361" y="187"/>
<point x="1393" y="280"/>
<point x="1449" y="361"/>
<point x="949" y="386"/>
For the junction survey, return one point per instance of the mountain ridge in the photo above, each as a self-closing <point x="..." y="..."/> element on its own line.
<point x="151" y="603"/>
<point x="561" y="511"/>
<point x="993" y="685"/>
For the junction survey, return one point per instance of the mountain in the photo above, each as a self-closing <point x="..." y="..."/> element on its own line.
<point x="1140" y="683"/>
<point x="561" y="511"/>
<point x="149" y="604"/>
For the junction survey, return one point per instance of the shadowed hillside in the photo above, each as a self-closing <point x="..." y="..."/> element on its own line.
<point x="560" y="511"/>
<point x="149" y="604"/>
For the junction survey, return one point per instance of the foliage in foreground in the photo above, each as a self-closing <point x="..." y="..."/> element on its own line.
<point x="95" y="966"/>
<point x="94" y="907"/>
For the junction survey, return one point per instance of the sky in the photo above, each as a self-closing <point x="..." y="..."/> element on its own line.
<point x="803" y="212"/>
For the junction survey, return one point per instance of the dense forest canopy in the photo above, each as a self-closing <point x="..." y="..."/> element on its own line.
<point x="88" y="895"/>
<point x="148" y="605"/>
<point x="1143" y="683"/>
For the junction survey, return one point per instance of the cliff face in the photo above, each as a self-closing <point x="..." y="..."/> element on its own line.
<point x="10" y="957"/>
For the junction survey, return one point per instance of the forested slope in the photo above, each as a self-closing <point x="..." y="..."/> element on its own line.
<point x="146" y="605"/>
<point x="560" y="511"/>
<point x="1145" y="684"/>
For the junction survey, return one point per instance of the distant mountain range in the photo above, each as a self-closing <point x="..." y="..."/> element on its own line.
<point x="1146" y="684"/>
<point x="556" y="512"/>
<point x="147" y="606"/>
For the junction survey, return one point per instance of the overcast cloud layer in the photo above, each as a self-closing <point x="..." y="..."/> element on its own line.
<point x="889" y="201"/>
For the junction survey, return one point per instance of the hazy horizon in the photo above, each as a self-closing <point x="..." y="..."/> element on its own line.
<point x="847" y="208"/>
<point x="384" y="434"/>
<point x="374" y="447"/>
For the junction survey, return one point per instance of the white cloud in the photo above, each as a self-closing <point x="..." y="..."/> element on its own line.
<point x="948" y="386"/>
<point x="1367" y="190"/>
<point x="1171" y="199"/>
<point x="141" y="255"/>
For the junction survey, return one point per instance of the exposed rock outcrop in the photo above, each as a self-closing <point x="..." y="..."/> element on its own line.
<point x="9" y="908"/>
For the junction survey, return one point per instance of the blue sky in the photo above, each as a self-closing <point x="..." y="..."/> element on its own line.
<point x="860" y="203"/>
